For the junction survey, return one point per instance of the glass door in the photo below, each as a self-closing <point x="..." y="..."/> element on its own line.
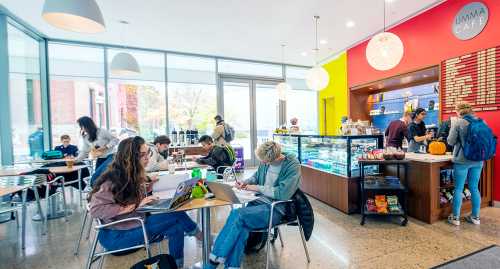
<point x="252" y="108"/>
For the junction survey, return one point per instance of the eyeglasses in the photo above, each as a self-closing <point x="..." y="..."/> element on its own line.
<point x="145" y="155"/>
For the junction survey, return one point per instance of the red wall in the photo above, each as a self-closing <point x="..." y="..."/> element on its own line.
<point x="428" y="40"/>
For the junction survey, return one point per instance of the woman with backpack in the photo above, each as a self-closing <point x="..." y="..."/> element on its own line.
<point x="464" y="169"/>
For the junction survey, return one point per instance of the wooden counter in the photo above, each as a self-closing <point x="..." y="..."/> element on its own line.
<point x="336" y="191"/>
<point x="424" y="186"/>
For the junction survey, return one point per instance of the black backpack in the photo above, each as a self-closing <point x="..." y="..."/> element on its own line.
<point x="162" y="261"/>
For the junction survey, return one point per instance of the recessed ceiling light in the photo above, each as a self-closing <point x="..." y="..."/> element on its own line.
<point x="323" y="41"/>
<point x="350" y="24"/>
<point x="304" y="53"/>
<point x="390" y="1"/>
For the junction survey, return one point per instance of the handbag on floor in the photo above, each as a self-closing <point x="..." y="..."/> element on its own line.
<point x="162" y="261"/>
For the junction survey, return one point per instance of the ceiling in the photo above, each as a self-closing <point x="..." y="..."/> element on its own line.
<point x="234" y="28"/>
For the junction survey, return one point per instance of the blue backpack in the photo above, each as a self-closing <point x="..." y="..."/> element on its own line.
<point x="480" y="144"/>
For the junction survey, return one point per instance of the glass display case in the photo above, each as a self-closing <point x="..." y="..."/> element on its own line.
<point x="289" y="143"/>
<point x="338" y="154"/>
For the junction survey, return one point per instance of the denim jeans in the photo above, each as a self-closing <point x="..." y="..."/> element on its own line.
<point x="230" y="243"/>
<point x="470" y="172"/>
<point x="171" y="225"/>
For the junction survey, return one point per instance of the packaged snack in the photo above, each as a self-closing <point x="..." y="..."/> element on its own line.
<point x="467" y="194"/>
<point x="370" y="205"/>
<point x="394" y="208"/>
<point x="442" y="199"/>
<point x="380" y="198"/>
<point x="392" y="200"/>
<point x="449" y="196"/>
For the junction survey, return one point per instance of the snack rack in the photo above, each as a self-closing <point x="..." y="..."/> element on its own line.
<point x="399" y="189"/>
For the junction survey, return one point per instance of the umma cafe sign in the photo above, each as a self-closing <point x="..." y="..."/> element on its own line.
<point x="470" y="21"/>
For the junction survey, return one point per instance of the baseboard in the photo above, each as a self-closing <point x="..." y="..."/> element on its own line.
<point x="496" y="204"/>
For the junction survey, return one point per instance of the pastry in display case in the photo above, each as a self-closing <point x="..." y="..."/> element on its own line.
<point x="338" y="154"/>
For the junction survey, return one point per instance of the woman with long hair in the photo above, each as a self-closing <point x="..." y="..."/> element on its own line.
<point x="96" y="140"/>
<point x="121" y="190"/>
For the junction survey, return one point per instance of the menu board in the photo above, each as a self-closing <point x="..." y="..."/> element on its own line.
<point x="474" y="78"/>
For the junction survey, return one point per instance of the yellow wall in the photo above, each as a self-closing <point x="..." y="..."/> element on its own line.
<point x="336" y="94"/>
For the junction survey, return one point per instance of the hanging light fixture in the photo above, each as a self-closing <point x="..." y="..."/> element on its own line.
<point x="283" y="87"/>
<point x="83" y="16"/>
<point x="124" y="63"/>
<point x="385" y="50"/>
<point x="317" y="78"/>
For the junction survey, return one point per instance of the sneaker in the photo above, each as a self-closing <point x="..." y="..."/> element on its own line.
<point x="473" y="220"/>
<point x="453" y="220"/>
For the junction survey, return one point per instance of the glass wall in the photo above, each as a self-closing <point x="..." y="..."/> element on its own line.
<point x="76" y="88"/>
<point x="192" y="93"/>
<point x="250" y="68"/>
<point x="25" y="95"/>
<point x="297" y="97"/>
<point x="137" y="103"/>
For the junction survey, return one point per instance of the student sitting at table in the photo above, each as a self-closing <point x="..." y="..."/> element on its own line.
<point x="120" y="191"/>
<point x="277" y="178"/>
<point x="217" y="155"/>
<point x="97" y="141"/>
<point x="66" y="148"/>
<point x="157" y="150"/>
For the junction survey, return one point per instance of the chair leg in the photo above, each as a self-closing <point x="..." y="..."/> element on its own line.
<point x="17" y="218"/>
<point x="92" y="252"/>
<point x="46" y="226"/>
<point x="89" y="228"/>
<point x="84" y="220"/>
<point x="304" y="242"/>
<point x="268" y="246"/>
<point x="39" y="204"/>
<point x="280" y="237"/>
<point x="101" y="262"/>
<point x="65" y="205"/>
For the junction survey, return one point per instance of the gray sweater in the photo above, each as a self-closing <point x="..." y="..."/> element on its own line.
<point x="458" y="132"/>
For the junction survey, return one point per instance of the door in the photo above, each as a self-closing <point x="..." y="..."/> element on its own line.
<point x="241" y="98"/>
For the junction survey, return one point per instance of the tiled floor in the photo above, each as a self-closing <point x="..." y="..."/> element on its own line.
<point x="338" y="241"/>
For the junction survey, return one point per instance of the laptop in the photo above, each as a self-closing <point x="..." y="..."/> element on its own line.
<point x="226" y="193"/>
<point x="181" y="196"/>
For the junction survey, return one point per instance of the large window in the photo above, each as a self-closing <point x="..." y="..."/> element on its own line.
<point x="25" y="95"/>
<point x="76" y="88"/>
<point x="137" y="103"/>
<point x="297" y="97"/>
<point x="250" y="68"/>
<point x="192" y="94"/>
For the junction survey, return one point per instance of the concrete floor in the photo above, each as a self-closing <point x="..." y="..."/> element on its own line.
<point x="338" y="241"/>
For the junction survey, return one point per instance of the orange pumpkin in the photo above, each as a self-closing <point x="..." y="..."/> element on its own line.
<point x="437" y="148"/>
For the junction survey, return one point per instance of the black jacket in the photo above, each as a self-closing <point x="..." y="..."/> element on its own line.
<point x="304" y="211"/>
<point x="218" y="156"/>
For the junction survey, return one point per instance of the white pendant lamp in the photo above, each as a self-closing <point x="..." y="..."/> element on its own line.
<point x="385" y="50"/>
<point x="124" y="63"/>
<point x="317" y="78"/>
<point x="283" y="87"/>
<point x="83" y="16"/>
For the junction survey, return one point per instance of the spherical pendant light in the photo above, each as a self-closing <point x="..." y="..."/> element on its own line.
<point x="282" y="90"/>
<point x="124" y="64"/>
<point x="384" y="51"/>
<point x="317" y="78"/>
<point x="83" y="16"/>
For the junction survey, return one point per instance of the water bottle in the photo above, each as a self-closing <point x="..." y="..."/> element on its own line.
<point x="182" y="138"/>
<point x="174" y="137"/>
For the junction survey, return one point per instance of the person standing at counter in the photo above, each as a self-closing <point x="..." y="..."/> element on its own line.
<point x="97" y="141"/>
<point x="463" y="168"/>
<point x="397" y="131"/>
<point x="218" y="134"/>
<point x="417" y="132"/>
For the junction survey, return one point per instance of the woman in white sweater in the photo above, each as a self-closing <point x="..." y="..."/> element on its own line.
<point x="96" y="140"/>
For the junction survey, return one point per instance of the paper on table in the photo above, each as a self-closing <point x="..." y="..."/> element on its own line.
<point x="245" y="196"/>
<point x="169" y="181"/>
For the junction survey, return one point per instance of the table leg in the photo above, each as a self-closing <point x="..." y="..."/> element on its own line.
<point x="23" y="225"/>
<point x="207" y="240"/>
<point x="79" y="187"/>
